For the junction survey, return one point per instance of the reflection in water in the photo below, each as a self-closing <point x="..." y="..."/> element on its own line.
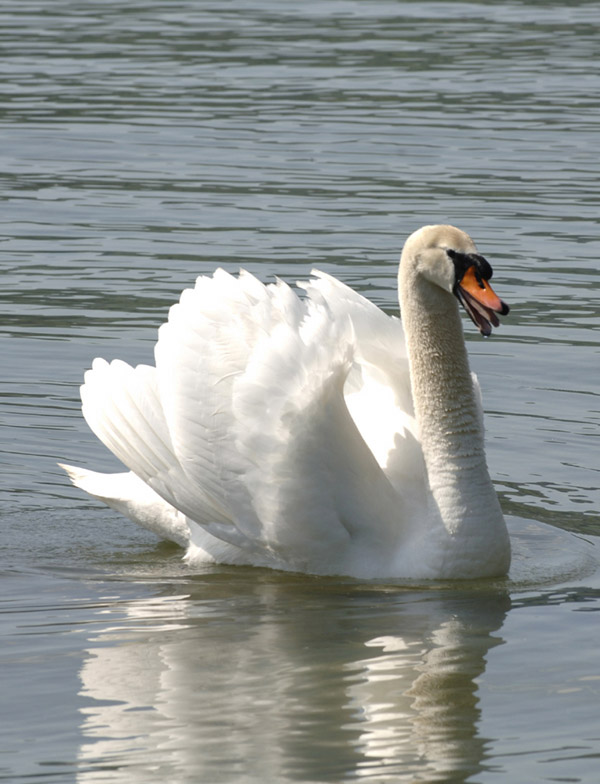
<point x="318" y="682"/>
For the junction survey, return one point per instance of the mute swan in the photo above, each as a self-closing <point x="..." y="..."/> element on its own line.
<point x="318" y="434"/>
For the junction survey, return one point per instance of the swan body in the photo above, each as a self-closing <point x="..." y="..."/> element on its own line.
<point x="312" y="434"/>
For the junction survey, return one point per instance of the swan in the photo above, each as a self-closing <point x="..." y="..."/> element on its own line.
<point x="312" y="433"/>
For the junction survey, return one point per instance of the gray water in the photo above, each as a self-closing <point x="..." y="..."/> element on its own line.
<point x="146" y="143"/>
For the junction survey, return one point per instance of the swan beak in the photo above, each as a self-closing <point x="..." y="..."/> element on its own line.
<point x="480" y="301"/>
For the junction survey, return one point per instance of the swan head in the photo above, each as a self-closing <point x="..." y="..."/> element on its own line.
<point x="448" y="258"/>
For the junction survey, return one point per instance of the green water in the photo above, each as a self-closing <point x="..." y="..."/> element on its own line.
<point x="145" y="144"/>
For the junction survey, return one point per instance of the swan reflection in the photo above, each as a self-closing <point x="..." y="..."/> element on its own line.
<point x="286" y="679"/>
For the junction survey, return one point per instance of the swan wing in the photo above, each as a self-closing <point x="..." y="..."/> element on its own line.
<point x="243" y="425"/>
<point x="378" y="391"/>
<point x="122" y="406"/>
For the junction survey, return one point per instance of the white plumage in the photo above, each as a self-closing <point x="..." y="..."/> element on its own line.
<point x="280" y="431"/>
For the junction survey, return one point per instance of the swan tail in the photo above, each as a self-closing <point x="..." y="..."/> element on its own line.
<point x="129" y="495"/>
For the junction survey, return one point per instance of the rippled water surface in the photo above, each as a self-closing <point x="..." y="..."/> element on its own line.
<point x="146" y="143"/>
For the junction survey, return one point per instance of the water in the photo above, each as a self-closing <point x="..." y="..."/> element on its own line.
<point x="144" y="144"/>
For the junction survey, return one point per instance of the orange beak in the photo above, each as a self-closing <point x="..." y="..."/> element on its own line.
<point x="480" y="301"/>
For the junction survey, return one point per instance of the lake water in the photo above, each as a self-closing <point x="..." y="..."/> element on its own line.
<point x="146" y="143"/>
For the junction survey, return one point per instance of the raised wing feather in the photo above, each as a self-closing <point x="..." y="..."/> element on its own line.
<point x="378" y="391"/>
<point x="243" y="424"/>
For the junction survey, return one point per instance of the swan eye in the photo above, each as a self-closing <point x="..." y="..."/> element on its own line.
<point x="464" y="261"/>
<point x="484" y="268"/>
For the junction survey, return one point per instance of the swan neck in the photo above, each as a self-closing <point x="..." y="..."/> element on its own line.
<point x="446" y="410"/>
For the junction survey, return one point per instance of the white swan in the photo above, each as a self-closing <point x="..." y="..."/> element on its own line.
<point x="317" y="434"/>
